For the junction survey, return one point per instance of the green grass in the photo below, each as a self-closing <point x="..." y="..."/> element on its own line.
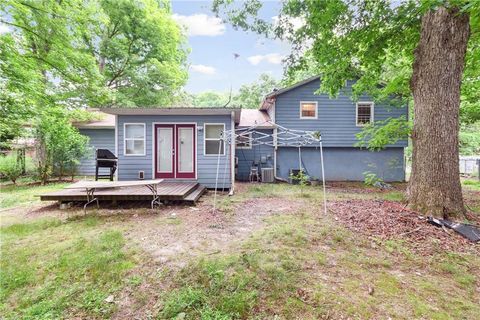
<point x="22" y="195"/>
<point x="51" y="269"/>
<point x="307" y="267"/>
<point x="299" y="265"/>
<point x="231" y="285"/>
<point x="472" y="184"/>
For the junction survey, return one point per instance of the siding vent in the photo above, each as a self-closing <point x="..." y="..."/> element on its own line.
<point x="141" y="175"/>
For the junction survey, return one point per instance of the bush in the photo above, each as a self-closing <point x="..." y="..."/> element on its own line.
<point x="59" y="145"/>
<point x="300" y="178"/>
<point x="371" y="178"/>
<point x="30" y="169"/>
<point x="10" y="167"/>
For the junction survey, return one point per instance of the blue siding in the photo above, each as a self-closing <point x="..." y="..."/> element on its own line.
<point x="206" y="165"/>
<point x="336" y="117"/>
<point x="343" y="164"/>
<point x="246" y="157"/>
<point x="99" y="139"/>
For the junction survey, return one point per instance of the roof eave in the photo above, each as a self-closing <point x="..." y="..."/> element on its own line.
<point x="296" y="85"/>
<point x="93" y="127"/>
<point x="173" y="111"/>
<point x="165" y="111"/>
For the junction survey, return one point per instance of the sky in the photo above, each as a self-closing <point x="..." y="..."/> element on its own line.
<point x="212" y="44"/>
<point x="212" y="65"/>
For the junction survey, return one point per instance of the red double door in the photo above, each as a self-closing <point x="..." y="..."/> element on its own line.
<point x="175" y="151"/>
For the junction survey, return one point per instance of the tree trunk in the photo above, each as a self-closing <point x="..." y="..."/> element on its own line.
<point x="437" y="73"/>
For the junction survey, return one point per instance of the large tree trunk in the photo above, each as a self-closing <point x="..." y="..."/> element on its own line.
<point x="437" y="73"/>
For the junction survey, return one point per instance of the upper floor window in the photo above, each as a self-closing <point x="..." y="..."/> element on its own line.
<point x="244" y="141"/>
<point x="308" y="109"/>
<point x="134" y="144"/>
<point x="213" y="142"/>
<point x="364" y="113"/>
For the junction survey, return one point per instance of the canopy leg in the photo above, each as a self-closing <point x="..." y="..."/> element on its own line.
<point x="323" y="180"/>
<point x="216" y="176"/>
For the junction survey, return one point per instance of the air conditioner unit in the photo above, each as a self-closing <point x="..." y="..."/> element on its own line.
<point x="267" y="175"/>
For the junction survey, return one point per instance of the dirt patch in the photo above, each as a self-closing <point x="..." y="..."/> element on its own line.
<point x="26" y="213"/>
<point x="390" y="220"/>
<point x="179" y="232"/>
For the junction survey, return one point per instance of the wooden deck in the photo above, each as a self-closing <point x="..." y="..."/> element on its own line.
<point x="170" y="191"/>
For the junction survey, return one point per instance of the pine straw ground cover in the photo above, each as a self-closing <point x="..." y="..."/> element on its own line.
<point x="386" y="220"/>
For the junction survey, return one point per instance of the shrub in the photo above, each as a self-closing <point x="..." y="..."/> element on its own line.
<point x="30" y="169"/>
<point x="10" y="167"/>
<point x="370" y="178"/>
<point x="59" y="145"/>
<point x="301" y="178"/>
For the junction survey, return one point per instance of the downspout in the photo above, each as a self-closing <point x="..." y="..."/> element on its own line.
<point x="116" y="148"/>
<point x="232" y="154"/>
<point x="275" y="146"/>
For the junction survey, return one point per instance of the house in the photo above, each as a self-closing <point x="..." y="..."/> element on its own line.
<point x="298" y="108"/>
<point x="101" y="134"/>
<point x="187" y="144"/>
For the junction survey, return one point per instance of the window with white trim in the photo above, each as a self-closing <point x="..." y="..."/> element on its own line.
<point x="244" y="141"/>
<point x="308" y="109"/>
<point x="364" y="113"/>
<point x="213" y="142"/>
<point x="134" y="141"/>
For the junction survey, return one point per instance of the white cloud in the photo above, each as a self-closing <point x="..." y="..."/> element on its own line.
<point x="294" y="22"/>
<point x="273" y="58"/>
<point x="201" y="24"/>
<point x="4" y="28"/>
<point x="200" y="68"/>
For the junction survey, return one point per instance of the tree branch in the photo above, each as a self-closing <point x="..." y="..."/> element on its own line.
<point x="23" y="28"/>
<point x="122" y="69"/>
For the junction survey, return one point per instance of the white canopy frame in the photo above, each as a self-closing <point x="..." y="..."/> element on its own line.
<point x="282" y="137"/>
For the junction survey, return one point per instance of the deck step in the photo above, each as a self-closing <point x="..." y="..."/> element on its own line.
<point x="195" y="194"/>
<point x="191" y="190"/>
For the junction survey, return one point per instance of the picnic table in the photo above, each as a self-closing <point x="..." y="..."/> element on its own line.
<point x="91" y="186"/>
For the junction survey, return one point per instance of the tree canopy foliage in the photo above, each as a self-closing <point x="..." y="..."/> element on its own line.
<point x="249" y="96"/>
<point x="370" y="41"/>
<point x="96" y="52"/>
<point x="60" y="57"/>
<point x="91" y="53"/>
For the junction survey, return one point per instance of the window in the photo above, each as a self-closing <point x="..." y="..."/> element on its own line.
<point x="308" y="110"/>
<point x="364" y="113"/>
<point x="244" y="141"/>
<point x="212" y="140"/>
<point x="134" y="144"/>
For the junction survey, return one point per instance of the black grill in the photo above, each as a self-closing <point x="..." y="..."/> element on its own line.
<point x="104" y="158"/>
